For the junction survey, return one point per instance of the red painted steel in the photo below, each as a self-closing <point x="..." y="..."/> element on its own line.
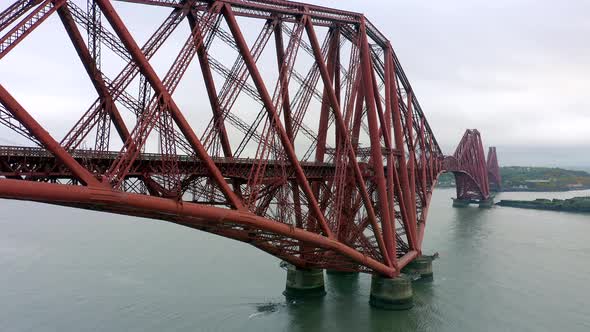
<point x="334" y="168"/>
<point x="468" y="164"/>
<point x="494" y="170"/>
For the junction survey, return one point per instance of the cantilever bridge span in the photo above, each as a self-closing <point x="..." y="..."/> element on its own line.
<point x="472" y="171"/>
<point x="322" y="157"/>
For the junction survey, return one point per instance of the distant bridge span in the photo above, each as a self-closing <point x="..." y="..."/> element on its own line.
<point x="324" y="159"/>
<point x="471" y="170"/>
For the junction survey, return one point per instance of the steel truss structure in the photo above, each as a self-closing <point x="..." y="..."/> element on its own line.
<point x="468" y="164"/>
<point x="495" y="179"/>
<point x="325" y="161"/>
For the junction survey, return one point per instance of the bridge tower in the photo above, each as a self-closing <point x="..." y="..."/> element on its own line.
<point x="494" y="170"/>
<point x="468" y="165"/>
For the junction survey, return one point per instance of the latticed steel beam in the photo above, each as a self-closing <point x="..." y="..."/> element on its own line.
<point x="87" y="122"/>
<point x="27" y="25"/>
<point x="8" y="120"/>
<point x="14" y="11"/>
<point x="91" y="61"/>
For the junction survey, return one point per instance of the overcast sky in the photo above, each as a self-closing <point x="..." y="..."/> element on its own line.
<point x="517" y="70"/>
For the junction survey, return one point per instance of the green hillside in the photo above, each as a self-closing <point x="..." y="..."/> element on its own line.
<point x="543" y="179"/>
<point x="517" y="178"/>
<point x="576" y="204"/>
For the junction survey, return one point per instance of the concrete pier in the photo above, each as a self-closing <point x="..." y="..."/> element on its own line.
<point x="461" y="203"/>
<point x="342" y="273"/>
<point x="391" y="293"/>
<point x="421" y="266"/>
<point x="304" y="283"/>
<point x="486" y="203"/>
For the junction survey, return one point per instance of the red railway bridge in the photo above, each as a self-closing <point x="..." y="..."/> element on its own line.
<point x="323" y="159"/>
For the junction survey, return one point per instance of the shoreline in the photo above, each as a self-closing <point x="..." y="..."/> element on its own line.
<point x="575" y="204"/>
<point x="517" y="190"/>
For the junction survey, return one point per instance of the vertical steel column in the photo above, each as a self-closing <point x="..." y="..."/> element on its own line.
<point x="322" y="133"/>
<point x="280" y="50"/>
<point x="483" y="168"/>
<point x="211" y="90"/>
<point x="376" y="155"/>
<point x="392" y="176"/>
<point x="324" y="112"/>
<point x="411" y="161"/>
<point x="351" y="154"/>
<point x="259" y="83"/>
<point x="398" y="131"/>
<point x="422" y="168"/>
<point x="92" y="71"/>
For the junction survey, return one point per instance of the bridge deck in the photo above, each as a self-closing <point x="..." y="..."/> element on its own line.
<point x="18" y="161"/>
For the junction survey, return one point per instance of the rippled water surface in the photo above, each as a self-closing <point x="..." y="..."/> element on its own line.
<point x="502" y="269"/>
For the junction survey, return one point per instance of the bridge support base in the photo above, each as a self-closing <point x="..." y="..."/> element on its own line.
<point x="461" y="203"/>
<point x="421" y="266"/>
<point x="483" y="203"/>
<point x="486" y="203"/>
<point x="391" y="293"/>
<point x="304" y="283"/>
<point x="342" y="273"/>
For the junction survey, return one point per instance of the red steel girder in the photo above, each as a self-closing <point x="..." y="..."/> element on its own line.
<point x="192" y="214"/>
